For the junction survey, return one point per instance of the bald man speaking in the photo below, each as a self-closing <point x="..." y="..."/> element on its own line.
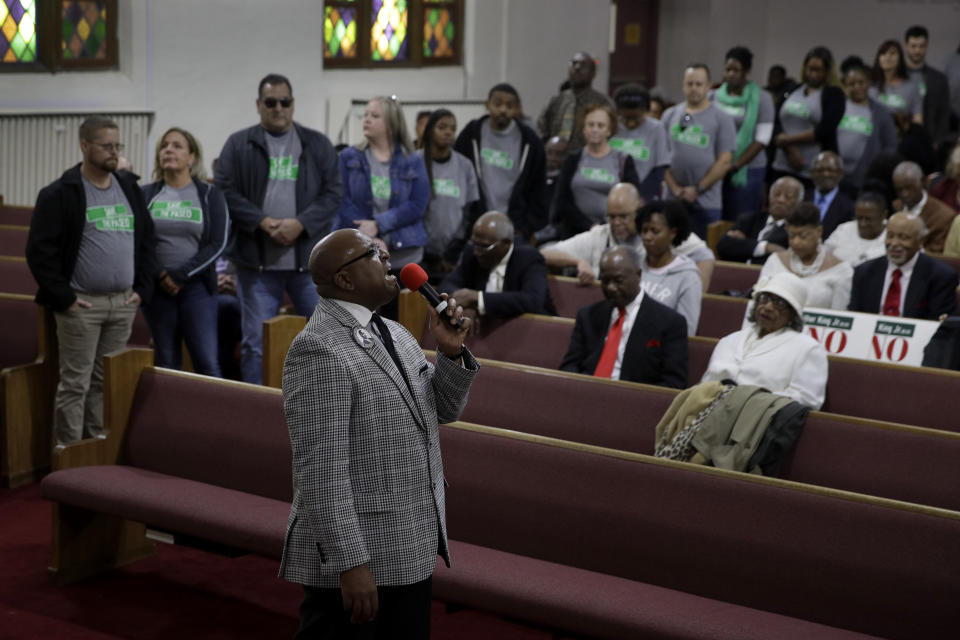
<point x="362" y="404"/>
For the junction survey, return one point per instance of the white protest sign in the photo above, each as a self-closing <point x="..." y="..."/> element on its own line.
<point x="868" y="336"/>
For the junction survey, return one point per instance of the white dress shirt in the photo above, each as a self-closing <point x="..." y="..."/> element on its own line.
<point x="495" y="280"/>
<point x="631" y="312"/>
<point x="847" y="245"/>
<point x="906" y="270"/>
<point x="918" y="209"/>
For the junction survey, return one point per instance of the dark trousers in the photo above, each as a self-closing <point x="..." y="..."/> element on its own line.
<point x="191" y="315"/>
<point x="404" y="612"/>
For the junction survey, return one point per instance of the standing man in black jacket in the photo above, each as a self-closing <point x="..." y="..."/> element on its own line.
<point x="510" y="162"/>
<point x="90" y="249"/>
<point x="933" y="84"/>
<point x="282" y="185"/>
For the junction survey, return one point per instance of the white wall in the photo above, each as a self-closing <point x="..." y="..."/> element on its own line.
<point x="782" y="31"/>
<point x="197" y="64"/>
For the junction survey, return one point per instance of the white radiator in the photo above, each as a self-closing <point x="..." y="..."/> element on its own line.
<point x="36" y="148"/>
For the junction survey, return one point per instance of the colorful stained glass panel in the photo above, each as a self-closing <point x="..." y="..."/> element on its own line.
<point x="83" y="30"/>
<point x="388" y="31"/>
<point x="340" y="33"/>
<point x="18" y="31"/>
<point x="439" y="32"/>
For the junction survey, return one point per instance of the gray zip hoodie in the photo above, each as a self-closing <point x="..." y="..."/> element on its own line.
<point x="677" y="286"/>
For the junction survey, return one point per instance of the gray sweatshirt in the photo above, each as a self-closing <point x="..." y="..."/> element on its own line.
<point x="677" y="286"/>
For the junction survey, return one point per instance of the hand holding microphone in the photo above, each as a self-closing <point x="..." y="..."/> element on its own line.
<point x="453" y="330"/>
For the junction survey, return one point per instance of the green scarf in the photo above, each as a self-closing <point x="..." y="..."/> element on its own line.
<point x="751" y="98"/>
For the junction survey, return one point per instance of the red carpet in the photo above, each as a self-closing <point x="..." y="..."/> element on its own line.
<point x="181" y="593"/>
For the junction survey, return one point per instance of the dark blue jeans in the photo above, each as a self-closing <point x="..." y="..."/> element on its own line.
<point x="261" y="293"/>
<point x="746" y="199"/>
<point x="190" y="316"/>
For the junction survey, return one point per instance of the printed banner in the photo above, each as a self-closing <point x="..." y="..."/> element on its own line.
<point x="866" y="336"/>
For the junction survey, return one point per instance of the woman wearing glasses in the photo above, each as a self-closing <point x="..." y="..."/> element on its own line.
<point x="191" y="222"/>
<point x="826" y="278"/>
<point x="385" y="186"/>
<point x="772" y="351"/>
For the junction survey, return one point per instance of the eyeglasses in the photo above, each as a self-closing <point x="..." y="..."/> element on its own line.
<point x="371" y="252"/>
<point x="778" y="303"/>
<point x="109" y="147"/>
<point x="478" y="248"/>
<point x="270" y="103"/>
<point x="686" y="121"/>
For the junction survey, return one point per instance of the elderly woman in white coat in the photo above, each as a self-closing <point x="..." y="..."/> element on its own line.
<point x="772" y="350"/>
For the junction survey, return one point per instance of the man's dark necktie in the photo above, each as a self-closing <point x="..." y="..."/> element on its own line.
<point x="387" y="340"/>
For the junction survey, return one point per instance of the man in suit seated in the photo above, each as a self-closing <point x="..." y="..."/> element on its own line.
<point x="905" y="282"/>
<point x="628" y="336"/>
<point x="914" y="201"/>
<point x="496" y="278"/>
<point x="757" y="235"/>
<point x="835" y="208"/>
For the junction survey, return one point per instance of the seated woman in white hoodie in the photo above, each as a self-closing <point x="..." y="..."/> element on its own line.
<point x="772" y="351"/>
<point x="668" y="277"/>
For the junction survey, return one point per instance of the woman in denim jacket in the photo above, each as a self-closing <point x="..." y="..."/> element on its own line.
<point x="385" y="188"/>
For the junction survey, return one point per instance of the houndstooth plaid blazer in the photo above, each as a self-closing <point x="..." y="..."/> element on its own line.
<point x="367" y="474"/>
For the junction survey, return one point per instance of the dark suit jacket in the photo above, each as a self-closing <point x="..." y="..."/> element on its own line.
<point x="936" y="104"/>
<point x="524" y="287"/>
<point x="932" y="289"/>
<point x="656" y="351"/>
<point x="751" y="224"/>
<point x="839" y="211"/>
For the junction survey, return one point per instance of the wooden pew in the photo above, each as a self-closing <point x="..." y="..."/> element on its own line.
<point x="278" y="334"/>
<point x="569" y="296"/>
<point x="855" y="454"/>
<point x="733" y="276"/>
<point x="15" y="276"/>
<point x="720" y="315"/>
<point x="15" y="215"/>
<point x="13" y="240"/>
<point x="715" y="231"/>
<point x="28" y="382"/>
<point x="540" y="522"/>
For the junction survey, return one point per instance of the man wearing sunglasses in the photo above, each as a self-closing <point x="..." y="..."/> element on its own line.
<point x="282" y="185"/>
<point x="701" y="139"/>
<point x="90" y="248"/>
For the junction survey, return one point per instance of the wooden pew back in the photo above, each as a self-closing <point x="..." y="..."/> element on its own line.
<point x="831" y="557"/>
<point x="13" y="240"/>
<point x="20" y="216"/>
<point x="15" y="276"/>
<point x="733" y="276"/>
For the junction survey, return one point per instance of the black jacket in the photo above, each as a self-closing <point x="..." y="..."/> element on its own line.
<point x="528" y="205"/>
<point x="839" y="211"/>
<point x="932" y="291"/>
<point x="525" y="287"/>
<point x="242" y="172"/>
<point x="213" y="238"/>
<point x="56" y="228"/>
<point x="655" y="353"/>
<point x="751" y="224"/>
<point x="568" y="220"/>
<point x="936" y="104"/>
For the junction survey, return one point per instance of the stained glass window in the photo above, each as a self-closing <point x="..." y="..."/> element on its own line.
<point x="388" y="34"/>
<point x="18" y="24"/>
<point x="340" y="32"/>
<point x="83" y="28"/>
<point x="439" y="33"/>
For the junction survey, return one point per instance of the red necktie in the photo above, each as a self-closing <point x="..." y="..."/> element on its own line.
<point x="891" y="306"/>
<point x="608" y="357"/>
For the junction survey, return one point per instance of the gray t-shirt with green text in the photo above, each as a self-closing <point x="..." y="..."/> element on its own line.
<point x="903" y="98"/>
<point x="379" y="182"/>
<point x="853" y="132"/>
<point x="798" y="113"/>
<point x="592" y="182"/>
<point x="499" y="163"/>
<point x="695" y="142"/>
<point x="647" y="144"/>
<point x="765" y="113"/>
<point x="178" y="224"/>
<point x="281" y="198"/>
<point x="454" y="187"/>
<point x="105" y="260"/>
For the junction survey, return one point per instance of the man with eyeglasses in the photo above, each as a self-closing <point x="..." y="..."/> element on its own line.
<point x="362" y="404"/>
<point x="282" y="185"/>
<point x="701" y="139"/>
<point x="90" y="249"/>
<point x="496" y="278"/>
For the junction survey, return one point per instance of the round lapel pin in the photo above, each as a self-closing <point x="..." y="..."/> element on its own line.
<point x="363" y="337"/>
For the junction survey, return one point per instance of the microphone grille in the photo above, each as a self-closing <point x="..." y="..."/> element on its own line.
<point x="412" y="276"/>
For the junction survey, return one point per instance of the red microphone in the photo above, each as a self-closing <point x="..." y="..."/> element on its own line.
<point x="413" y="277"/>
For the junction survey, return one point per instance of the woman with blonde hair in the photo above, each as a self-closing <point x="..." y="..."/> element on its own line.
<point x="191" y="222"/>
<point x="385" y="185"/>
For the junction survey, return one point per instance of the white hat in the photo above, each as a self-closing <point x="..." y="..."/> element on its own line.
<point x="787" y="286"/>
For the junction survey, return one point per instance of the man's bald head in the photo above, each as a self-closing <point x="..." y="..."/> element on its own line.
<point x="908" y="183"/>
<point x="622" y="204"/>
<point x="492" y="238"/>
<point x="785" y="196"/>
<point x="620" y="274"/>
<point x="495" y="225"/>
<point x="348" y="265"/>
